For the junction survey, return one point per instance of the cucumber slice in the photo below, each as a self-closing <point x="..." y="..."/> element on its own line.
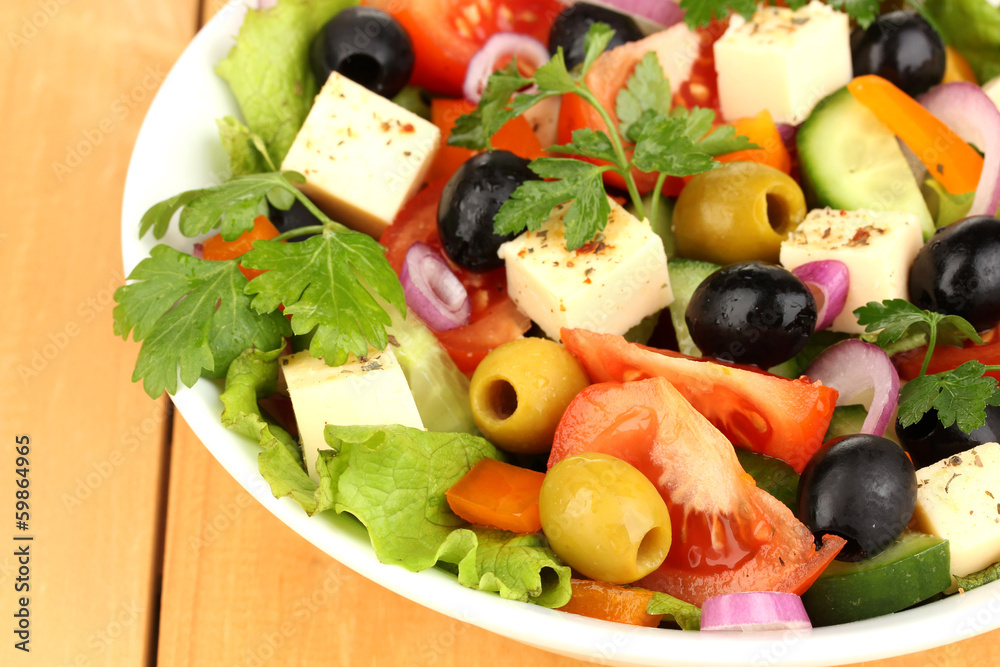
<point x="848" y="419"/>
<point x="685" y="276"/>
<point x="771" y="474"/>
<point x="914" y="568"/>
<point x="850" y="161"/>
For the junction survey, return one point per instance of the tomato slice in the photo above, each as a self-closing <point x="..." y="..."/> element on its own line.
<point x="495" y="319"/>
<point x="447" y="33"/>
<point x="764" y="413"/>
<point x="729" y="536"/>
<point x="947" y="358"/>
<point x="516" y="137"/>
<point x="701" y="89"/>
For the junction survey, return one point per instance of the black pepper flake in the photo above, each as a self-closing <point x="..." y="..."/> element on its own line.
<point x="953" y="476"/>
<point x="407" y="153"/>
<point x="940" y="168"/>
<point x="393" y="341"/>
<point x="979" y="463"/>
<point x="998" y="508"/>
<point x="373" y="366"/>
<point x="782" y="561"/>
<point x="542" y="234"/>
<point x="826" y="233"/>
<point x="362" y="358"/>
<point x="956" y="460"/>
<point x="800" y="20"/>
<point x="589" y="271"/>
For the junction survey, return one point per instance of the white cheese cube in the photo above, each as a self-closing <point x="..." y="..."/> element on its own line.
<point x="878" y="248"/>
<point x="959" y="499"/>
<point x="363" y="156"/>
<point x="782" y="60"/>
<point x="992" y="90"/>
<point x="363" y="392"/>
<point x="606" y="286"/>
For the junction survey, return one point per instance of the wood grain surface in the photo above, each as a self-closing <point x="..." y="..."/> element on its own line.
<point x="144" y="550"/>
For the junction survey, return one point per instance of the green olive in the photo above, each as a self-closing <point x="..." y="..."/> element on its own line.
<point x="604" y="518"/>
<point x="521" y="390"/>
<point x="739" y="212"/>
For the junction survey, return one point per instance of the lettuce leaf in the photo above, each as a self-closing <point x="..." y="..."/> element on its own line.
<point x="393" y="479"/>
<point x="268" y="68"/>
<point x="244" y="156"/>
<point x="972" y="27"/>
<point x="683" y="613"/>
<point x="254" y="375"/>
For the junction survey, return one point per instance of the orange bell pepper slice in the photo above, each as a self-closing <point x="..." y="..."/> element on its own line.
<point x="761" y="130"/>
<point x="217" y="248"/>
<point x="957" y="68"/>
<point x="516" y="136"/>
<point x="500" y="495"/>
<point x="607" y="602"/>
<point x="946" y="155"/>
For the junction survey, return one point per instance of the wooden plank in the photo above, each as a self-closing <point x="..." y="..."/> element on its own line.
<point x="76" y="78"/>
<point x="241" y="588"/>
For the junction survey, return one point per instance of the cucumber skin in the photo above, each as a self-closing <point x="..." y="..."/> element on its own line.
<point x="915" y="568"/>
<point x="685" y="276"/>
<point x="883" y="184"/>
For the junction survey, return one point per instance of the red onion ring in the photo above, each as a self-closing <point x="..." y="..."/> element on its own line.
<point x="198" y="251"/>
<point x="854" y="368"/>
<point x="969" y="111"/>
<point x="501" y="45"/>
<point x="748" y="612"/>
<point x="663" y="12"/>
<point x="828" y="280"/>
<point x="432" y="291"/>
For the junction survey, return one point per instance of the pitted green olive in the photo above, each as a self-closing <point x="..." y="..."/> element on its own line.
<point x="520" y="391"/>
<point x="604" y="518"/>
<point x="739" y="212"/>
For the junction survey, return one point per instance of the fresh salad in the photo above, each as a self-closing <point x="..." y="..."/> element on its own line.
<point x="663" y="314"/>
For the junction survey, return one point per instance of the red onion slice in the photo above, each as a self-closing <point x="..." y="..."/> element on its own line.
<point x="432" y="291"/>
<point x="754" y="611"/>
<point x="969" y="111"/>
<point x="663" y="12"/>
<point x="861" y="373"/>
<point x="527" y="50"/>
<point x="198" y="250"/>
<point x="828" y="280"/>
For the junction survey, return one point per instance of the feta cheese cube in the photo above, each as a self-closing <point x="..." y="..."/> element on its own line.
<point x="992" y="90"/>
<point x="606" y="286"/>
<point x="363" y="156"/>
<point x="362" y="392"/>
<point x="782" y="60"/>
<point x="959" y="499"/>
<point x="878" y="248"/>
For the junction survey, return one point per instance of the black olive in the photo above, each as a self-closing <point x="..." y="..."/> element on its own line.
<point x="367" y="46"/>
<point x="294" y="218"/>
<point x="751" y="313"/>
<point x="573" y="23"/>
<point x="957" y="272"/>
<point x="470" y="201"/>
<point x="861" y="487"/>
<point x="928" y="441"/>
<point x="903" y="48"/>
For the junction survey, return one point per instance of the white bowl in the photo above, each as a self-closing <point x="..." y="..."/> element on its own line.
<point x="178" y="149"/>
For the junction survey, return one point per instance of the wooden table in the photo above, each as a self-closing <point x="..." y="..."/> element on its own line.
<point x="144" y="550"/>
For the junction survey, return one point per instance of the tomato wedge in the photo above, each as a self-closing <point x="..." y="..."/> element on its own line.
<point x="947" y="358"/>
<point x="447" y="33"/>
<point x="782" y="418"/>
<point x="729" y="536"/>
<point x="495" y="319"/>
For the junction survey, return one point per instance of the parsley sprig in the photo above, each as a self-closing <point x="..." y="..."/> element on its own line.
<point x="701" y="12"/>
<point x="195" y="316"/>
<point x="960" y="395"/>
<point x="648" y="136"/>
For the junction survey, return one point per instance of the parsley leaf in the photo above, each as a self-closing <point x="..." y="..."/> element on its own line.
<point x="319" y="283"/>
<point x="863" y="11"/>
<point x="894" y="318"/>
<point x="475" y="130"/>
<point x="233" y="206"/>
<point x="701" y="12"/>
<point x="191" y="315"/>
<point x="595" y="42"/>
<point x="647" y="90"/>
<point x="959" y="396"/>
<point x="591" y="144"/>
<point x="532" y="203"/>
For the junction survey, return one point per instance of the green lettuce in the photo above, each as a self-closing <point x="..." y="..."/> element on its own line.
<point x="268" y="68"/>
<point x="393" y="479"/>
<point x="972" y="27"/>
<point x="985" y="576"/>
<point x="245" y="157"/>
<point x="683" y="613"/>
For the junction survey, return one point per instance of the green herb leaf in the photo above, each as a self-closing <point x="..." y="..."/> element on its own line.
<point x="268" y="68"/>
<point x="862" y="11"/>
<point x="647" y="90"/>
<point x="247" y="153"/>
<point x="159" y="215"/>
<point x="595" y="42"/>
<point x="319" y="283"/>
<point x="895" y="318"/>
<point x="665" y="147"/>
<point x="985" y="576"/>
<point x="959" y="396"/>
<point x="701" y="12"/>
<point x="553" y="77"/>
<point x="532" y="203"/>
<point x="234" y="205"/>
<point x="590" y="143"/>
<point x="475" y="130"/>
<point x="684" y="614"/>
<point x="191" y="315"/>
